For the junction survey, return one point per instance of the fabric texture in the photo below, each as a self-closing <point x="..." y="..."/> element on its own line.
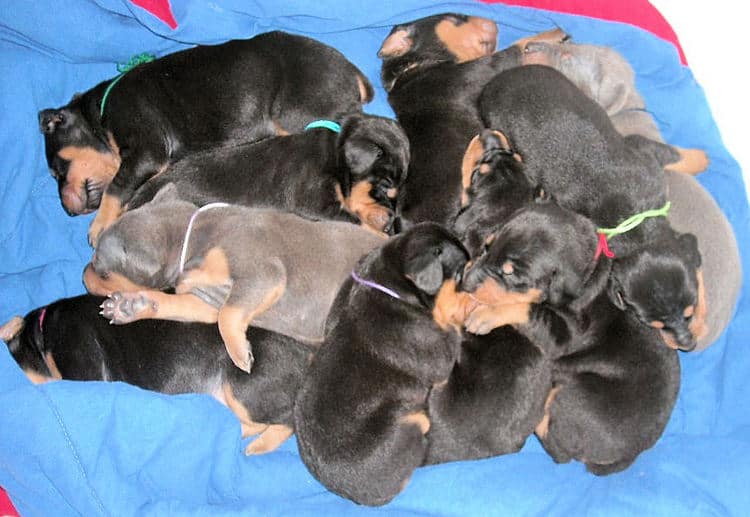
<point x="94" y="448"/>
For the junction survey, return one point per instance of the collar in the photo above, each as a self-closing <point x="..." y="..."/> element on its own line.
<point x="123" y="68"/>
<point x="327" y="124"/>
<point x="183" y="251"/>
<point x="625" y="226"/>
<point x="374" y="285"/>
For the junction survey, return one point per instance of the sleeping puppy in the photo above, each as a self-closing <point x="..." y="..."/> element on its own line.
<point x="361" y="414"/>
<point x="105" y="143"/>
<point x="434" y="69"/>
<point x="493" y="400"/>
<point x="67" y="340"/>
<point x="614" y="384"/>
<point x="605" y="76"/>
<point x="571" y="149"/>
<point x="351" y="175"/>
<point x="231" y="265"/>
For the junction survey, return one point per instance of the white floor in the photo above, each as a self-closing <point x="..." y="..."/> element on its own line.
<point x="715" y="41"/>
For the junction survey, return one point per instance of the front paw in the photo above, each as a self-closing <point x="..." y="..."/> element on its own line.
<point x="120" y="308"/>
<point x="480" y="321"/>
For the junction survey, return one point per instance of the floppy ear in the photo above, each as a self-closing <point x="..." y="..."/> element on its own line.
<point x="360" y="154"/>
<point x="397" y="44"/>
<point x="50" y="120"/>
<point x="168" y="192"/>
<point x="426" y="272"/>
<point x="689" y="247"/>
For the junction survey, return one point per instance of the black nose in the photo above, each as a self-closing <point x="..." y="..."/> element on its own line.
<point x="685" y="340"/>
<point x="471" y="278"/>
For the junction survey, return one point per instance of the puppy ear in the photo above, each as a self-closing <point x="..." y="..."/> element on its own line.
<point x="398" y="43"/>
<point x="689" y="246"/>
<point x="361" y="154"/>
<point x="50" y="120"/>
<point x="426" y="272"/>
<point x="168" y="192"/>
<point x="556" y="289"/>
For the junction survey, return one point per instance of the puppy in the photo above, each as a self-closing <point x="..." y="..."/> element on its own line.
<point x="571" y="149"/>
<point x="434" y="69"/>
<point x="493" y="400"/>
<point x="361" y="414"/>
<point x="354" y="175"/>
<point x="104" y="144"/>
<point x="66" y="340"/>
<point x="605" y="76"/>
<point x="614" y="384"/>
<point x="231" y="265"/>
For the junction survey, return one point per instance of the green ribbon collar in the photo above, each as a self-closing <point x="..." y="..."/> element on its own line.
<point x="123" y="68"/>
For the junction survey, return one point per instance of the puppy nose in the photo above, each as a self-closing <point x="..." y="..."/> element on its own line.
<point x="470" y="279"/>
<point x="685" y="340"/>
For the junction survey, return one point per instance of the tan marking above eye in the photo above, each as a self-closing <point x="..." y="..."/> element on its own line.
<point x="689" y="311"/>
<point x="657" y="324"/>
<point x="490" y="239"/>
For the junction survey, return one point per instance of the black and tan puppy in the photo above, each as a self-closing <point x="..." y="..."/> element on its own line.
<point x="231" y="265"/>
<point x="104" y="144"/>
<point x="434" y="70"/>
<point x="493" y="400"/>
<point x="353" y="175"/>
<point x="570" y="147"/>
<point x="361" y="415"/>
<point x="494" y="397"/>
<point x="67" y="340"/>
<point x="614" y="383"/>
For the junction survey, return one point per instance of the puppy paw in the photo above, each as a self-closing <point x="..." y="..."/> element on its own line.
<point x="241" y="356"/>
<point x="121" y="308"/>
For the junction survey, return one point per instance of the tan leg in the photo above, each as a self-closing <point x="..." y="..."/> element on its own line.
<point x="692" y="161"/>
<point x="233" y="322"/>
<point x="270" y="439"/>
<point x="484" y="318"/>
<point x="109" y="210"/>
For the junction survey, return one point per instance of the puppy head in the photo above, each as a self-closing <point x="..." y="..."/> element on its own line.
<point x="663" y="287"/>
<point x="494" y="187"/>
<point x="542" y="253"/>
<point x="373" y="157"/>
<point x="140" y="250"/>
<point x="451" y="38"/>
<point x="82" y="161"/>
<point x="25" y="340"/>
<point x="425" y="263"/>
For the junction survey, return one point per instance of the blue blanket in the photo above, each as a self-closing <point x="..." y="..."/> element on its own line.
<point x="93" y="448"/>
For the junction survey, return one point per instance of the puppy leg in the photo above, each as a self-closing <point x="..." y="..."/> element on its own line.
<point x="245" y="303"/>
<point x="125" y="307"/>
<point x="270" y="439"/>
<point x="692" y="161"/>
<point x="484" y="318"/>
<point x="556" y="35"/>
